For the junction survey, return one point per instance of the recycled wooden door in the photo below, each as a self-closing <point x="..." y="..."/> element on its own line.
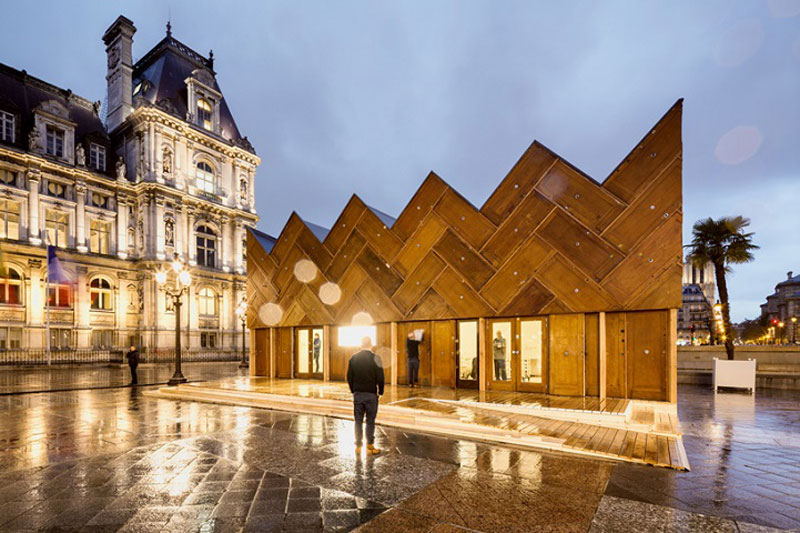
<point x="530" y="354"/>
<point x="592" y="354"/>
<point x="443" y="360"/>
<point x="308" y="351"/>
<point x="467" y="359"/>
<point x="260" y="357"/>
<point x="283" y="357"/>
<point x="647" y="354"/>
<point x="567" y="355"/>
<point x="616" y="360"/>
<point x="500" y="352"/>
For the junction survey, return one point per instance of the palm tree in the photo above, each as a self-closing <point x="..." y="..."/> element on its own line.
<point x="722" y="242"/>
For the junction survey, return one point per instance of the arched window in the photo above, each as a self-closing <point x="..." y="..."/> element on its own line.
<point x="207" y="302"/>
<point x="204" y="114"/>
<point x="11" y="288"/>
<point x="204" y="175"/>
<point x="206" y="246"/>
<point x="100" y="294"/>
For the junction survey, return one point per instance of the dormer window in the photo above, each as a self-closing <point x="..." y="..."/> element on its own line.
<point x="55" y="142"/>
<point x="6" y="127"/>
<point x="97" y="157"/>
<point x="205" y="114"/>
<point x="205" y="177"/>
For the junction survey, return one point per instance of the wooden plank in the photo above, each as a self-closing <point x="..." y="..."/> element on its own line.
<point x="517" y="228"/>
<point x="419" y="281"/>
<point x="346" y="255"/>
<point x="651" y="449"/>
<point x="428" y="194"/>
<point x="638" y="452"/>
<point x="515" y="273"/>
<point x="463" y="259"/>
<point x="663" y="451"/>
<point x="419" y="245"/>
<point x="380" y="237"/>
<point x="562" y="279"/>
<point x="378" y="270"/>
<point x="459" y="295"/>
<point x="462" y="217"/>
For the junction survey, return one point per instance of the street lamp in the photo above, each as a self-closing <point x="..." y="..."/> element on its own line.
<point x="794" y="328"/>
<point x="781" y="325"/>
<point x="181" y="285"/>
<point x="241" y="312"/>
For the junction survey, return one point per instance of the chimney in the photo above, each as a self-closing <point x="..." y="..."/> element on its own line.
<point x="789" y="275"/>
<point x="119" y="43"/>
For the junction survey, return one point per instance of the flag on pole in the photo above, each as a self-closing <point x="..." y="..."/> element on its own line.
<point x="55" y="271"/>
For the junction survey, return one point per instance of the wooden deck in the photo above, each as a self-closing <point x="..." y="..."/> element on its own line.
<point x="639" y="432"/>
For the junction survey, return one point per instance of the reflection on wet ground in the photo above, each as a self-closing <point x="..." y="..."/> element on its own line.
<point x="111" y="459"/>
<point x="55" y="378"/>
<point x="745" y="456"/>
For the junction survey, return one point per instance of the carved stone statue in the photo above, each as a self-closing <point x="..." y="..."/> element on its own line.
<point x="121" y="169"/>
<point x="33" y="140"/>
<point x="80" y="156"/>
<point x="169" y="233"/>
<point x="166" y="164"/>
<point x="141" y="236"/>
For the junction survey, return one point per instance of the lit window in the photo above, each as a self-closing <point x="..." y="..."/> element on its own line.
<point x="9" y="220"/>
<point x="100" y="294"/>
<point x="207" y="302"/>
<point x="206" y="246"/>
<point x="60" y="339"/>
<point x="10" y="288"/>
<point x="6" y="127"/>
<point x="204" y="114"/>
<point x="97" y="157"/>
<point x="350" y="336"/>
<point x="208" y="340"/>
<point x="10" y="338"/>
<point x="99" y="237"/>
<point x="56" y="228"/>
<point x="59" y="295"/>
<point x="204" y="175"/>
<point x="55" y="142"/>
<point x="102" y="338"/>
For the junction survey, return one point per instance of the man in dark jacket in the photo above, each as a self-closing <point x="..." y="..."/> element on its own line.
<point x="133" y="362"/>
<point x="412" y="354"/>
<point x="365" y="377"/>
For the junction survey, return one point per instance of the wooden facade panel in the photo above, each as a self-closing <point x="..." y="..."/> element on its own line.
<point x="579" y="245"/>
<point x="380" y="237"/>
<point x="572" y="288"/>
<point x="592" y="321"/>
<point x="431" y="306"/>
<point x="459" y="295"/>
<point x="283" y="352"/>
<point x="344" y="225"/>
<point x="443" y="353"/>
<point x="663" y="293"/>
<point x="315" y="310"/>
<point x="530" y="300"/>
<point x="420" y="243"/>
<point x="463" y="259"/>
<point x="520" y="180"/>
<point x="655" y="152"/>
<point x="285" y="272"/>
<point x="378" y="270"/>
<point x="314" y="249"/>
<point x="286" y="239"/>
<point x="403" y="329"/>
<point x="469" y="223"/>
<point x="418" y="282"/>
<point x="420" y="205"/>
<point x="647" y="354"/>
<point x="376" y="303"/>
<point x="349" y="283"/>
<point x="651" y="208"/>
<point x="646" y="262"/>
<point x="584" y="199"/>
<point x="566" y="334"/>
<point x="260" y="355"/>
<point x="515" y="273"/>
<point x="517" y="228"/>
<point x="339" y="357"/>
<point x="345" y="256"/>
<point x="616" y="361"/>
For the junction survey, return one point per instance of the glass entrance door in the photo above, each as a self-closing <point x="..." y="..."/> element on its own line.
<point x="467" y="366"/>
<point x="517" y="354"/>
<point x="308" y="353"/>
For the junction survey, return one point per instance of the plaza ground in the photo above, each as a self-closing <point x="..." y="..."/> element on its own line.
<point x="108" y="459"/>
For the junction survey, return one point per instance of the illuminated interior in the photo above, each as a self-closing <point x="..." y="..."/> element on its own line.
<point x="350" y="336"/>
<point x="468" y="350"/>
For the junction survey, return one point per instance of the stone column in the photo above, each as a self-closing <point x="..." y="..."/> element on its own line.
<point x="82" y="306"/>
<point x="235" y="182"/>
<point x="158" y="156"/>
<point x="35" y="305"/>
<point x="160" y="236"/>
<point x="224" y="246"/>
<point x="122" y="226"/>
<point x="179" y="232"/>
<point x="34" y="234"/>
<point x="238" y="235"/>
<point x="191" y="249"/>
<point x="80" y="221"/>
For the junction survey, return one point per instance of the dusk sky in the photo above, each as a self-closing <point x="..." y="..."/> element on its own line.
<point x="368" y="97"/>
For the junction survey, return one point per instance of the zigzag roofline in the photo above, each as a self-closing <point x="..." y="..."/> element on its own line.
<point x="432" y="175"/>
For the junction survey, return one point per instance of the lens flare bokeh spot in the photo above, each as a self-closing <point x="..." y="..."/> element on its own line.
<point x="305" y="270"/>
<point x="270" y="314"/>
<point x="330" y="293"/>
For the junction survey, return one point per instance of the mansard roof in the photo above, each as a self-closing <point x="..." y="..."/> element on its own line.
<point x="21" y="94"/>
<point x="163" y="71"/>
<point x="265" y="240"/>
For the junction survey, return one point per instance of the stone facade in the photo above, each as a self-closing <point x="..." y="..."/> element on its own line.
<point x="698" y="294"/>
<point x="782" y="305"/>
<point x="167" y="174"/>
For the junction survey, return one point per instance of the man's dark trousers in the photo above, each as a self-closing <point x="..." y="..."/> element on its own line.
<point x="365" y="403"/>
<point x="134" y="379"/>
<point x="413" y="371"/>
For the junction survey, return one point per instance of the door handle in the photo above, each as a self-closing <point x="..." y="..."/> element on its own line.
<point x="566" y="353"/>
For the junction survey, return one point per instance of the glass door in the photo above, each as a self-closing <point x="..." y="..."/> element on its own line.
<point x="308" y="353"/>
<point x="499" y="353"/>
<point x="532" y="354"/>
<point x="467" y="366"/>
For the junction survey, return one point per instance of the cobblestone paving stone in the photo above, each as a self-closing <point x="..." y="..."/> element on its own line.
<point x="113" y="460"/>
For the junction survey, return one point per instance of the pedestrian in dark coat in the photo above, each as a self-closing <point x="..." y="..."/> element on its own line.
<point x="133" y="362"/>
<point x="366" y="381"/>
<point x="412" y="355"/>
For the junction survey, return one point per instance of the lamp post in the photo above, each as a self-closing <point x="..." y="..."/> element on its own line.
<point x="794" y="328"/>
<point x="181" y="285"/>
<point x="241" y="312"/>
<point x="781" y="325"/>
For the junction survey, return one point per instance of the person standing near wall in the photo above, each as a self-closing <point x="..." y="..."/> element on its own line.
<point x="366" y="381"/>
<point x="133" y="362"/>
<point x="412" y="355"/>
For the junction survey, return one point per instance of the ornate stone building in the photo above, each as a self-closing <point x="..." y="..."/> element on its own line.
<point x="698" y="294"/>
<point x="167" y="173"/>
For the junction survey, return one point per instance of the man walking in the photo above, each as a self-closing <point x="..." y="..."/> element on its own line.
<point x="412" y="354"/>
<point x="365" y="377"/>
<point x="133" y="362"/>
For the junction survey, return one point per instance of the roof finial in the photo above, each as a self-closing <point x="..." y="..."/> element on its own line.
<point x="169" y="29"/>
<point x="211" y="58"/>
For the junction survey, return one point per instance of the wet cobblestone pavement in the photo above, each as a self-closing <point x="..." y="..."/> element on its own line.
<point x="113" y="460"/>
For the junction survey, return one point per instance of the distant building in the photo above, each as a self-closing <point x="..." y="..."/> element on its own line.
<point x="784" y="303"/>
<point x="695" y="317"/>
<point x="167" y="173"/>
